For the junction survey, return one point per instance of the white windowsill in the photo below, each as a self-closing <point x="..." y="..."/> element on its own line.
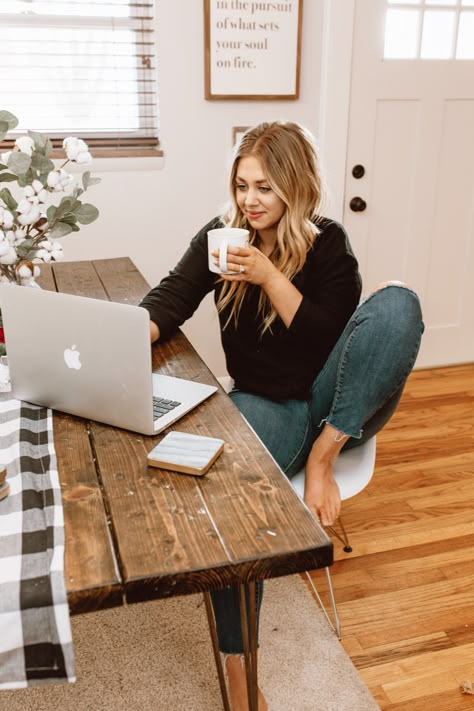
<point x="118" y="165"/>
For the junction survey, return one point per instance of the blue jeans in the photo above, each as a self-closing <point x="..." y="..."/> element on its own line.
<point x="356" y="392"/>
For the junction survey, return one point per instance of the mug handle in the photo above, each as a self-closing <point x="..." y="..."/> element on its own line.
<point x="223" y="257"/>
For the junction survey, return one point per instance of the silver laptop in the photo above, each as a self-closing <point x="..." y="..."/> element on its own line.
<point x="90" y="358"/>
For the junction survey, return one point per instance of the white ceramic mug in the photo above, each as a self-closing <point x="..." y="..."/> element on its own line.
<point x="221" y="238"/>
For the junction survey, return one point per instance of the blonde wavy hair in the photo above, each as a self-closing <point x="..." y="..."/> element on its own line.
<point x="290" y="163"/>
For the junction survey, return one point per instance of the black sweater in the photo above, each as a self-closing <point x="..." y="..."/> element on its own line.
<point x="283" y="363"/>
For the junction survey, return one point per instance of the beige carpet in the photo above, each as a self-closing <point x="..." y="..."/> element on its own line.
<point x="157" y="656"/>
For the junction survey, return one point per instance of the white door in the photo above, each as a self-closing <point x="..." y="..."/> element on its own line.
<point x="411" y="128"/>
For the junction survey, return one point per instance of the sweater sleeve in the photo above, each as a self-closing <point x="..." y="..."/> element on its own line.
<point x="331" y="287"/>
<point x="179" y="294"/>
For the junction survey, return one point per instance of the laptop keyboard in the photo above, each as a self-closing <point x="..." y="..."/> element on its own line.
<point x="161" y="406"/>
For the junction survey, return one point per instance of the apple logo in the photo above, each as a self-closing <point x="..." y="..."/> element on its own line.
<point x="72" y="358"/>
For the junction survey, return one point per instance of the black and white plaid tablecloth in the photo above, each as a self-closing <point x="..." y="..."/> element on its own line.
<point x="35" y="632"/>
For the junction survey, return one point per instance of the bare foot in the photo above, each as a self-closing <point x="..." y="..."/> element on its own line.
<point x="235" y="667"/>
<point x="321" y="493"/>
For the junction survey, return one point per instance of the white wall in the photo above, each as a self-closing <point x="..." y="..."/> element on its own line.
<point x="151" y="208"/>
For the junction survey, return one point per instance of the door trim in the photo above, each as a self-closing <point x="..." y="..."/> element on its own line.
<point x="336" y="66"/>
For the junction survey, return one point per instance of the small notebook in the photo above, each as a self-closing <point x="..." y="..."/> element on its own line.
<point x="185" y="453"/>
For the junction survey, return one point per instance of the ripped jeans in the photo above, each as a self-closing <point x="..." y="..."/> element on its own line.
<point x="357" y="392"/>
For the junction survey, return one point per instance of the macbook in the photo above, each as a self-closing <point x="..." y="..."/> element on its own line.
<point x="90" y="358"/>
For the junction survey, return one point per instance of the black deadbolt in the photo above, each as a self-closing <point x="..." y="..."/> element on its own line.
<point x="358" y="171"/>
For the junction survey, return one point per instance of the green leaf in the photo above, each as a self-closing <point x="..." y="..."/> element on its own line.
<point x="7" y="122"/>
<point x="8" y="199"/>
<point x="40" y="163"/>
<point x="77" y="192"/>
<point x="24" y="180"/>
<point x="69" y="219"/>
<point x="26" y="249"/>
<point x="40" y="140"/>
<point x="19" y="163"/>
<point x="51" y="214"/>
<point x="59" y="230"/>
<point x="9" y="118"/>
<point x="87" y="180"/>
<point x="7" y="177"/>
<point x="67" y="205"/>
<point x="86" y="214"/>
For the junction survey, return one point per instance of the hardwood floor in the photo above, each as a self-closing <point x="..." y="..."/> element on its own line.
<point x="405" y="594"/>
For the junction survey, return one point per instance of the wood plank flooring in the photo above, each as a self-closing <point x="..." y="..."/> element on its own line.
<point x="406" y="593"/>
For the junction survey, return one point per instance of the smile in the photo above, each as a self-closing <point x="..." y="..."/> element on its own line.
<point x="254" y="215"/>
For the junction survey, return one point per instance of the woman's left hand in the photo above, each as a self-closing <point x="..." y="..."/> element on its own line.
<point x="247" y="264"/>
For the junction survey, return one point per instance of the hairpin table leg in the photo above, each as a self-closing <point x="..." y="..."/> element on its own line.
<point x="250" y="645"/>
<point x="215" y="648"/>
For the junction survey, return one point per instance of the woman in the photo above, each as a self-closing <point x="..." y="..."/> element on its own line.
<point x="314" y="371"/>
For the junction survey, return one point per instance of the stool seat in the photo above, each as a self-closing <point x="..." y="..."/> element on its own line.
<point x="353" y="470"/>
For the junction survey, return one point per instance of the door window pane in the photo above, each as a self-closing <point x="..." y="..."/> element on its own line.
<point x="401" y="34"/>
<point x="437" y="37"/>
<point x="465" y="47"/>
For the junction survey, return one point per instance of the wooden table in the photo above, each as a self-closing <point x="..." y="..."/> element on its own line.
<point x="134" y="533"/>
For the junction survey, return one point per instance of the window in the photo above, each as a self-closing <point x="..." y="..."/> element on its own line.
<point x="83" y="68"/>
<point x="429" y="29"/>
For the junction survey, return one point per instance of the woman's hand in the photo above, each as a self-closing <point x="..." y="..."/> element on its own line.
<point x="247" y="264"/>
<point x="259" y="269"/>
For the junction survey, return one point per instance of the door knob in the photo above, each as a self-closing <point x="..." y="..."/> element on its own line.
<point x="357" y="204"/>
<point x="358" y="171"/>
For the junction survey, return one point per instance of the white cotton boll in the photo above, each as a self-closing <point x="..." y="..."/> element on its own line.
<point x="36" y="271"/>
<point x="28" y="191"/>
<point x="43" y="195"/>
<point x="44" y="255"/>
<point x="53" y="178"/>
<point x="45" y="244"/>
<point x="76" y="150"/>
<point x="6" y="218"/>
<point x="9" y="258"/>
<point x="24" y="205"/>
<point x="29" y="218"/>
<point x="24" y="272"/>
<point x="25" y="144"/>
<point x="37" y="186"/>
<point x="57" y="255"/>
<point x="84" y="157"/>
<point x="5" y="247"/>
<point x="10" y="235"/>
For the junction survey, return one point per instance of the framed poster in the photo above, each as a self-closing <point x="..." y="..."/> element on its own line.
<point x="252" y="49"/>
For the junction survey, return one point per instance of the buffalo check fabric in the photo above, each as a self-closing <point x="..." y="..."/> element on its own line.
<point x="35" y="631"/>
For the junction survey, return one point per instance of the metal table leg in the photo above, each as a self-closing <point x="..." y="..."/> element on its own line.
<point x="215" y="648"/>
<point x="249" y="636"/>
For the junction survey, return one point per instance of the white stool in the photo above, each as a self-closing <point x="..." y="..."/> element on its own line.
<point x="353" y="471"/>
